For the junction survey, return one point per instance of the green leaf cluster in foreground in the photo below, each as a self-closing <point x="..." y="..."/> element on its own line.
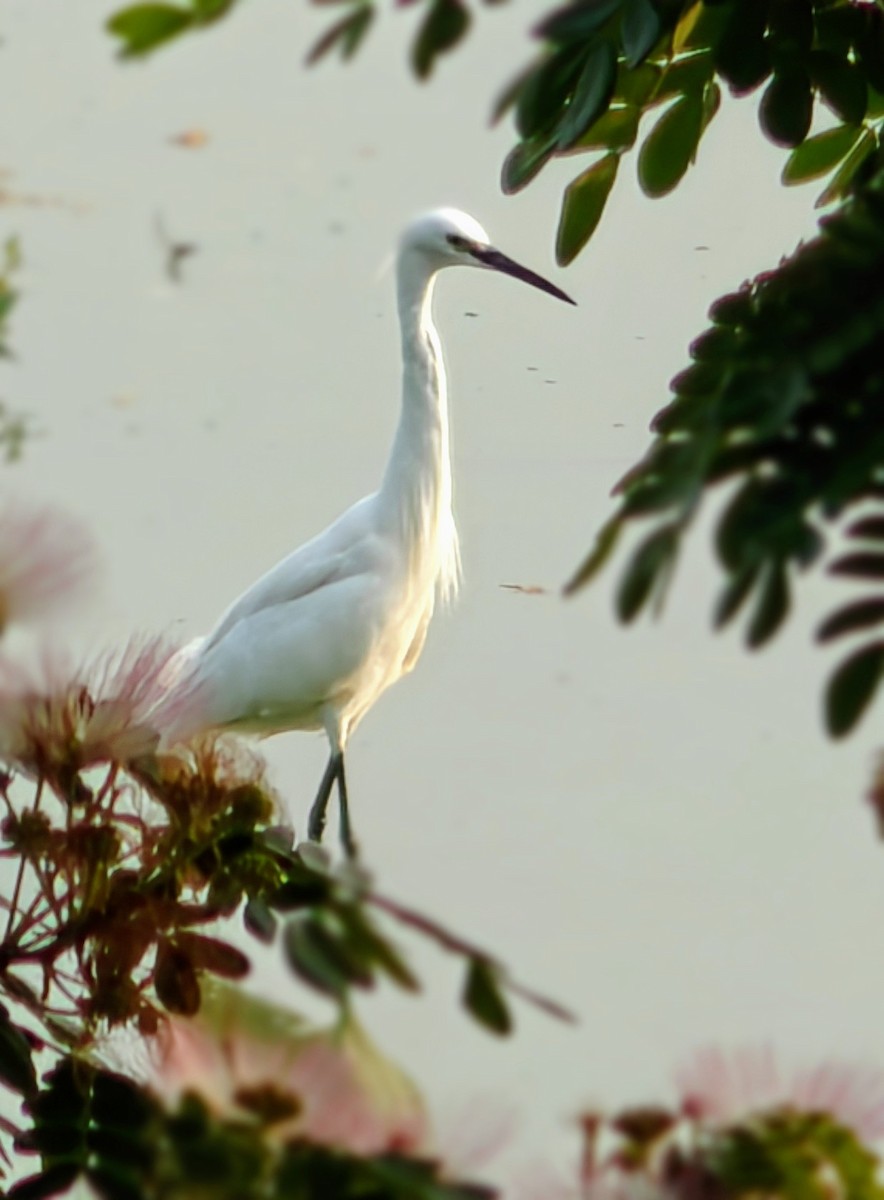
<point x="784" y="400"/>
<point x="96" y="1127"/>
<point x="613" y="73"/>
<point x="612" y="69"/>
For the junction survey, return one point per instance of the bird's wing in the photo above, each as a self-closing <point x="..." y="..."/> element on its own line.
<point x="330" y="556"/>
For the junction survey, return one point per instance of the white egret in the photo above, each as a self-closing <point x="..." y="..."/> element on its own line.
<point x="315" y="641"/>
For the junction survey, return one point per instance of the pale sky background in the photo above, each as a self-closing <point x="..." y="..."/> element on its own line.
<point x="647" y="824"/>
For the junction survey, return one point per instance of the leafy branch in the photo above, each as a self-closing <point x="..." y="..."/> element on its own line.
<point x="783" y="401"/>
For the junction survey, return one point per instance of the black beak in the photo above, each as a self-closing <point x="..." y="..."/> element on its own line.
<point x="499" y="262"/>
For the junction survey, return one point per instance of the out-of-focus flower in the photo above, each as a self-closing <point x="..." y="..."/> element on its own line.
<point x="74" y="717"/>
<point x="47" y="560"/>
<point x="721" y="1089"/>
<point x="472" y="1135"/>
<point x="745" y="1126"/>
<point x="334" y="1087"/>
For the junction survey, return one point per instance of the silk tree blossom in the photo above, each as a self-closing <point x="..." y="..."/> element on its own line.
<point x="47" y="560"/>
<point x="63" y="717"/>
<point x="244" y="1056"/>
<point x="744" y="1125"/>
<point x="721" y="1089"/>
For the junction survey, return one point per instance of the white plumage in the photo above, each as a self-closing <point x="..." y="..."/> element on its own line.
<point x="314" y="642"/>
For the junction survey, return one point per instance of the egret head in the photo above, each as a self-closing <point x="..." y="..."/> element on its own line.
<point x="447" y="237"/>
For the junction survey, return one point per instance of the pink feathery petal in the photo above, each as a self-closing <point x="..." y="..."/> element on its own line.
<point x="470" y="1138"/>
<point x="723" y="1088"/>
<point x="720" y="1087"/>
<point x="345" y="1093"/>
<point x="47" y="561"/>
<point x="854" y="1095"/>
<point x="98" y="712"/>
<point x="355" y="1097"/>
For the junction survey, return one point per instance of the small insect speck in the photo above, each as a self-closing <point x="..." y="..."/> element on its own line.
<point x="532" y="368"/>
<point x="471" y="314"/>
<point x="701" y="247"/>
<point x="550" y="381"/>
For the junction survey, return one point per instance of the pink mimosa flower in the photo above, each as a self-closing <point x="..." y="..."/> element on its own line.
<point x="724" y="1088"/>
<point x="47" y="560"/>
<point x="77" y="717"/>
<point x="243" y="1055"/>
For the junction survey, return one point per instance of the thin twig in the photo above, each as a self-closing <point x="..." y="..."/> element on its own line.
<point x="458" y="945"/>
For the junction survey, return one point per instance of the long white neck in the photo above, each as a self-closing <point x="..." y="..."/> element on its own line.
<point x="415" y="494"/>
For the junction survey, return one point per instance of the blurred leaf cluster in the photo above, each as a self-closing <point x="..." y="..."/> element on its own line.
<point x="95" y="1126"/>
<point x="782" y="1150"/>
<point x="783" y="400"/>
<point x="13" y="426"/>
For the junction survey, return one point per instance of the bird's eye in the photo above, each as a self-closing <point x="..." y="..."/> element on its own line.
<point x="458" y="242"/>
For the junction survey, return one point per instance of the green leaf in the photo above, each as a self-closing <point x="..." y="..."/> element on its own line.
<point x="869" y="528"/>
<point x="545" y="92"/>
<point x="670" y="146"/>
<point x="582" y="207"/>
<point x="118" y="1102"/>
<point x="110" y="1184"/>
<point x="576" y="22"/>
<point x="684" y="75"/>
<point x="524" y="161"/>
<point x="653" y="557"/>
<point x="862" y="614"/>
<point x="639" y="30"/>
<point x="843" y="177"/>
<point x="772" y="606"/>
<point x="510" y="94"/>
<point x="741" y="53"/>
<point x="870" y="44"/>
<point x="615" y="129"/>
<point x="861" y="565"/>
<point x="482" y="997"/>
<point x="842" y="84"/>
<point x="852" y="687"/>
<point x="734" y="596"/>
<point x="16" y="1065"/>
<point x="260" y="921"/>
<point x="322" y="958"/>
<point x="819" y="154"/>
<point x="51" y="1182"/>
<point x="786" y="108"/>
<point x="605" y="542"/>
<point x="144" y="27"/>
<point x="211" y="10"/>
<point x="374" y="949"/>
<point x="348" y="33"/>
<point x="635" y="87"/>
<point x="591" y="94"/>
<point x="443" y="28"/>
<point x="734" y="309"/>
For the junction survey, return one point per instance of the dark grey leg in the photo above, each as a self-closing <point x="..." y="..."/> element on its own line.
<point x="347" y="839"/>
<point x="316" y="820"/>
